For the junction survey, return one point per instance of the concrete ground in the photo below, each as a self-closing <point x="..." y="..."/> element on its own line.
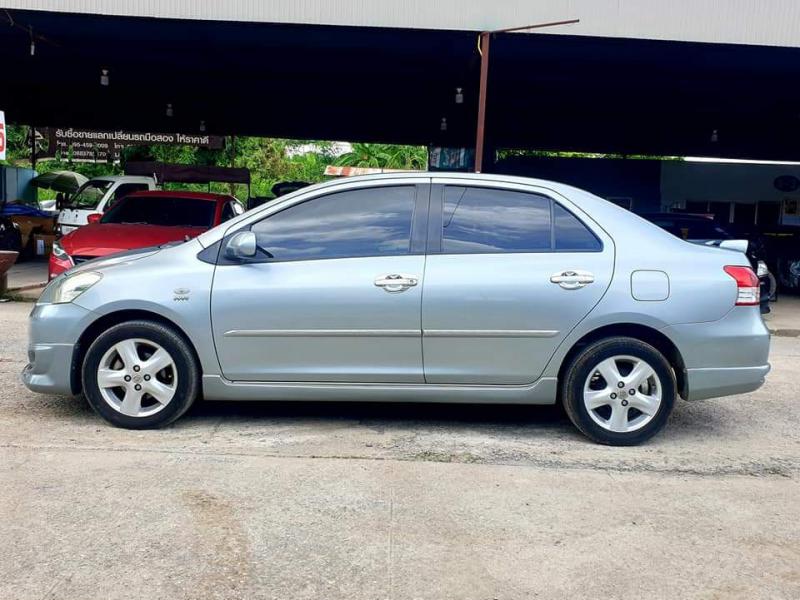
<point x="396" y="501"/>
<point x="27" y="275"/>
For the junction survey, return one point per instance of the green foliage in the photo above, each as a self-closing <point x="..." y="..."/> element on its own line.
<point x="385" y="156"/>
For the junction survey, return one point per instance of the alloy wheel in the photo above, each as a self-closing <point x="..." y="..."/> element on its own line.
<point x="622" y="393"/>
<point x="137" y="377"/>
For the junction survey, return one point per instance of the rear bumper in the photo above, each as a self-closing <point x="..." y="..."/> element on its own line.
<point x="724" y="357"/>
<point x="712" y="383"/>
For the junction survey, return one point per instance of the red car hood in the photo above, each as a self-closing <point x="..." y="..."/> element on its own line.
<point x="101" y="239"/>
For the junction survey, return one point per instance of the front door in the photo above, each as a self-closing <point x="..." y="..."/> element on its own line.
<point x="333" y="295"/>
<point x="509" y="274"/>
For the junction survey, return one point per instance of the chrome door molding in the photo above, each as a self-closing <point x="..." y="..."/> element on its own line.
<point x="323" y="333"/>
<point x="491" y="333"/>
<point x="484" y="333"/>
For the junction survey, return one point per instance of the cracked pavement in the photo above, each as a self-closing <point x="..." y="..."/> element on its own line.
<point x="315" y="500"/>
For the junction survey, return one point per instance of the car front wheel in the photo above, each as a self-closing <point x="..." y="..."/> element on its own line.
<point x="619" y="391"/>
<point x="140" y="375"/>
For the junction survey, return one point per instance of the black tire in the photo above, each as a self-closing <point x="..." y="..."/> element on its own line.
<point x="586" y="362"/>
<point x="188" y="373"/>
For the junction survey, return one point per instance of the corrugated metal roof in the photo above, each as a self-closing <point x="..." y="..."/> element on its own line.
<point x="763" y="22"/>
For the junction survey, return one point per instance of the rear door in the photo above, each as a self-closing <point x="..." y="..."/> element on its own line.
<point x="510" y="272"/>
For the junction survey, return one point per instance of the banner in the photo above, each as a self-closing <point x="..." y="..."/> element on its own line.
<point x="2" y="135"/>
<point x="82" y="145"/>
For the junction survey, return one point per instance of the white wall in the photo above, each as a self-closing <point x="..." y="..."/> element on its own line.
<point x="763" y="22"/>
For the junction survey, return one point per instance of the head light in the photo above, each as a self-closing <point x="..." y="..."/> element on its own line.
<point x="59" y="252"/>
<point x="70" y="287"/>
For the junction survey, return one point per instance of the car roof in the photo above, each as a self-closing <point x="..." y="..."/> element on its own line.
<point x="182" y="194"/>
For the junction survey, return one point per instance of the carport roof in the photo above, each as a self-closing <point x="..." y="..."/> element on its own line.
<point x="396" y="85"/>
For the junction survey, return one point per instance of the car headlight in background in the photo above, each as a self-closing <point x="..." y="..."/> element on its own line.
<point x="68" y="288"/>
<point x="59" y="252"/>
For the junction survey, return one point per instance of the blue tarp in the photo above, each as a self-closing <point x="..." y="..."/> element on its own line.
<point x="10" y="210"/>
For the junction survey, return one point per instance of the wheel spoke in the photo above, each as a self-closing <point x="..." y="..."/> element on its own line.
<point x="619" y="418"/>
<point x="610" y="372"/>
<point x="110" y="378"/>
<point x="596" y="398"/>
<point x="131" y="403"/>
<point x="648" y="405"/>
<point x="160" y="391"/>
<point x="639" y="375"/>
<point x="127" y="352"/>
<point x="160" y="360"/>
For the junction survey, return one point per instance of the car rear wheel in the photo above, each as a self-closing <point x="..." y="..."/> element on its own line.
<point x="619" y="391"/>
<point x="140" y="375"/>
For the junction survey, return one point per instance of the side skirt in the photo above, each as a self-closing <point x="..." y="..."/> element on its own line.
<point x="543" y="391"/>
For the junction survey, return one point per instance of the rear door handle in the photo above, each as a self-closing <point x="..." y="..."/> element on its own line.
<point x="572" y="280"/>
<point x="396" y="282"/>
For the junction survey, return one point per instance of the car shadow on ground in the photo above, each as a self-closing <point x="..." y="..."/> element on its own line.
<point x="695" y="420"/>
<point x="368" y="413"/>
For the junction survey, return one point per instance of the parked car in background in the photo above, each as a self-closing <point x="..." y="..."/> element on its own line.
<point x="702" y="229"/>
<point x="444" y="287"/>
<point x="140" y="220"/>
<point x="97" y="196"/>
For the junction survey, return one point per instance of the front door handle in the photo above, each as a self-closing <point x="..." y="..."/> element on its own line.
<point x="396" y="282"/>
<point x="572" y="280"/>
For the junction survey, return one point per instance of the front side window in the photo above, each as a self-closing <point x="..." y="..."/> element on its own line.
<point x="486" y="220"/>
<point x="368" y="222"/>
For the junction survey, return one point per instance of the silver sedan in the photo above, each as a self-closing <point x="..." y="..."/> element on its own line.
<point x="421" y="287"/>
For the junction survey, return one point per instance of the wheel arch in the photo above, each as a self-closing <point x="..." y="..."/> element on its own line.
<point x="649" y="335"/>
<point x="115" y="318"/>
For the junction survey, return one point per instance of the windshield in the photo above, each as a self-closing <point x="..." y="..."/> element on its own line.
<point x="162" y="210"/>
<point x="90" y="194"/>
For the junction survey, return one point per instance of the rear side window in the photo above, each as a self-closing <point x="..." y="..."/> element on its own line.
<point x="485" y="220"/>
<point x="480" y="220"/>
<point x="570" y="234"/>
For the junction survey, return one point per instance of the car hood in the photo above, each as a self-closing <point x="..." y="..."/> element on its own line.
<point x="102" y="239"/>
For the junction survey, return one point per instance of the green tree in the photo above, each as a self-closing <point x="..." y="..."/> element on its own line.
<point x="385" y="156"/>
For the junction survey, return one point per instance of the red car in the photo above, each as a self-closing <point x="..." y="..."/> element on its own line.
<point x="140" y="220"/>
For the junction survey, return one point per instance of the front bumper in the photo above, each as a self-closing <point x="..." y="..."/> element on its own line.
<point x="54" y="331"/>
<point x="50" y="369"/>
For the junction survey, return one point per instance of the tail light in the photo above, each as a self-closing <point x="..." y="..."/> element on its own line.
<point x="747" y="285"/>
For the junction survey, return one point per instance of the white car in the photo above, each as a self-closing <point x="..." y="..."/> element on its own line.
<point x="98" y="195"/>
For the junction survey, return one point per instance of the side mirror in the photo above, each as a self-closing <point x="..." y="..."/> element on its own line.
<point x="94" y="218"/>
<point x="241" y="246"/>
